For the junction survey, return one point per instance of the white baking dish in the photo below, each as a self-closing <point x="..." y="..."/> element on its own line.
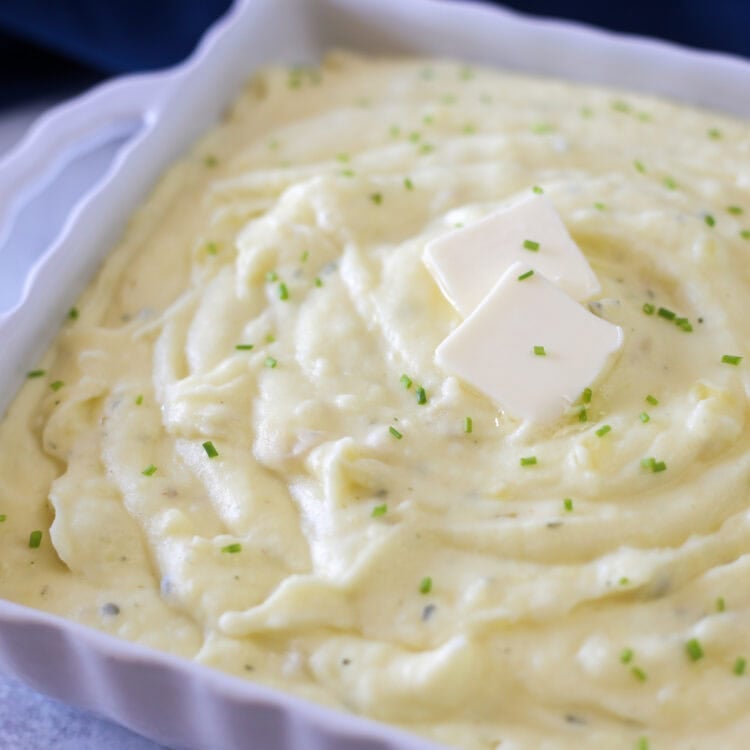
<point x="53" y="236"/>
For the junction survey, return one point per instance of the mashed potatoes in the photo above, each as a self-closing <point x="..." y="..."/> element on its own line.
<point x="241" y="450"/>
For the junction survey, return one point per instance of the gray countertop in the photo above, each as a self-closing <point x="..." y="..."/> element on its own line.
<point x="29" y="720"/>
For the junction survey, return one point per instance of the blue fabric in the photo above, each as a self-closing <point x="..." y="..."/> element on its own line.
<point x="46" y="44"/>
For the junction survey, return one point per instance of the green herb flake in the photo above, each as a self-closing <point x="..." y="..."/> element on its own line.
<point x="73" y="313"/>
<point x="211" y="248"/>
<point x="745" y="234"/>
<point x="670" y="183"/>
<point x="626" y="655"/>
<point x="343" y="158"/>
<point x="714" y="134"/>
<point x="304" y="257"/>
<point x="210" y="160"/>
<point x="272" y="276"/>
<point x="731" y="359"/>
<point x="468" y="425"/>
<point x="620" y="106"/>
<point x="539" y="351"/>
<point x="642" y="744"/>
<point x="542" y="128"/>
<point x="639" y="674"/>
<point x="283" y="291"/>
<point x="710" y="221"/>
<point x="644" y="417"/>
<point x="639" y="166"/>
<point x="347" y="173"/>
<point x="526" y="275"/>
<point x="600" y="206"/>
<point x="318" y="281"/>
<point x="568" y="504"/>
<point x="139" y="399"/>
<point x="721" y="605"/>
<point x="683" y="324"/>
<point x="664" y="312"/>
<point x="735" y="210"/>
<point x="408" y="184"/>
<point x="270" y="362"/>
<point x="652" y="400"/>
<point x="36" y="374"/>
<point x="244" y="347"/>
<point x="406" y="381"/>
<point x="35" y="539"/>
<point x="3" y="518"/>
<point x="395" y="433"/>
<point x="586" y="112"/>
<point x="270" y="338"/>
<point x="648" y="308"/>
<point x="57" y="385"/>
<point x="538" y="190"/>
<point x="694" y="650"/>
<point x="583" y="415"/>
<point x="586" y="395"/>
<point x="376" y="198"/>
<point x="232" y="549"/>
<point x="425" y="585"/>
<point x="531" y="245"/>
<point x="603" y="430"/>
<point x="528" y="461"/>
<point x="421" y="395"/>
<point x="739" y="666"/>
<point x="379" y="510"/>
<point x="658" y="466"/>
<point x="211" y="451"/>
<point x="149" y="471"/>
<point x="624" y="581"/>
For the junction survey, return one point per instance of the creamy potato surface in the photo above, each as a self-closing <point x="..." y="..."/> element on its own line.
<point x="240" y="448"/>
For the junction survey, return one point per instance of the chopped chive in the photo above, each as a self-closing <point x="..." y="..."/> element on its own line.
<point x="414" y="137"/>
<point x="714" y="133"/>
<point x="406" y="381"/>
<point x="648" y="308"/>
<point x="211" y="248"/>
<point x="642" y="743"/>
<point x="35" y="539"/>
<point x="736" y="210"/>
<point x="3" y="518"/>
<point x="272" y="276"/>
<point x="528" y="461"/>
<point x="318" y="281"/>
<point x="670" y="183"/>
<point x="621" y="106"/>
<point x="425" y="585"/>
<point x="624" y="581"/>
<point x="232" y="549"/>
<point x="343" y="158"/>
<point x="626" y="655"/>
<point x="408" y="184"/>
<point x="664" y="312"/>
<point x="395" y="432"/>
<point x="586" y="395"/>
<point x="542" y="128"/>
<point x="693" y="649"/>
<point x="56" y="385"/>
<point x="210" y="160"/>
<point x="710" y="221"/>
<point x="644" y="417"/>
<point x="639" y="674"/>
<point x="149" y="471"/>
<point x="639" y="166"/>
<point x="537" y="190"/>
<point x="270" y="362"/>
<point x="347" y="173"/>
<point x="211" y="451"/>
<point x="731" y="359"/>
<point x="658" y="466"/>
<point x="684" y="324"/>
<point x="583" y="415"/>
<point x="270" y="338"/>
<point x="421" y="395"/>
<point x="526" y="275"/>
<point x="283" y="291"/>
<point x="600" y="206"/>
<point x="244" y="347"/>
<point x="568" y="504"/>
<point x="304" y="257"/>
<point x="376" y="198"/>
<point x="426" y="148"/>
<point x="73" y="313"/>
<point x="531" y="245"/>
<point x="139" y="399"/>
<point x="468" y="425"/>
<point x="745" y="234"/>
<point x="603" y="430"/>
<point x="648" y="463"/>
<point x="721" y="605"/>
<point x="652" y="400"/>
<point x="739" y="666"/>
<point x="379" y="510"/>
<point x="36" y="374"/>
<point x="539" y="351"/>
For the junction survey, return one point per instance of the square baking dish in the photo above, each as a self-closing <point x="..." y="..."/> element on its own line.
<point x="55" y="230"/>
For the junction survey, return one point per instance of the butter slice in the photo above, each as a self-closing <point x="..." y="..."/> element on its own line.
<point x="493" y="349"/>
<point x="467" y="262"/>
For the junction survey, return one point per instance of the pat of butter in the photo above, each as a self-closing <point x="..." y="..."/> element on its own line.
<point x="530" y="347"/>
<point x="467" y="262"/>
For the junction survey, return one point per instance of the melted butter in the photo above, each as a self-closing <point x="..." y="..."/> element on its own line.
<point x="519" y="640"/>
